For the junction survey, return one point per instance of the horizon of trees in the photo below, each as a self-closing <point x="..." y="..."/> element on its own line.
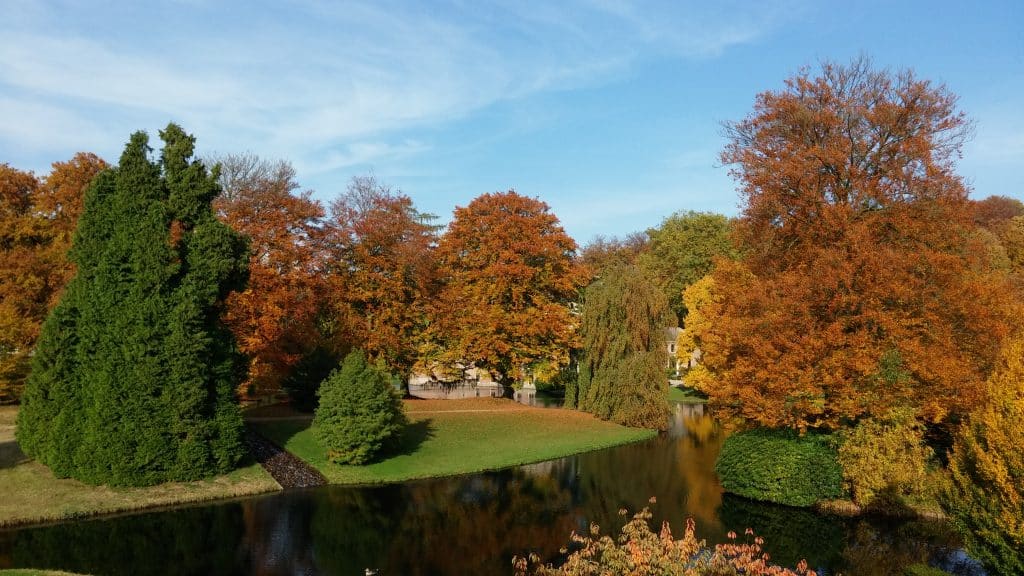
<point x="362" y="272"/>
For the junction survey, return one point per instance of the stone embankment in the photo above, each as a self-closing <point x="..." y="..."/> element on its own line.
<point x="286" y="469"/>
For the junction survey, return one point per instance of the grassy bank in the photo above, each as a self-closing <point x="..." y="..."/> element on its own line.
<point x="448" y="437"/>
<point x="686" y="396"/>
<point x="31" y="494"/>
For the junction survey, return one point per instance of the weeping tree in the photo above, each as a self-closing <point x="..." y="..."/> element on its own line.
<point x="622" y="371"/>
<point x="133" y="377"/>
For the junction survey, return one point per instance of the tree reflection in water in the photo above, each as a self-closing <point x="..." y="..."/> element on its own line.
<point x="475" y="524"/>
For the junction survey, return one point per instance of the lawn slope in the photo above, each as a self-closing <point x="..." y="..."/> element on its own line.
<point x="448" y="437"/>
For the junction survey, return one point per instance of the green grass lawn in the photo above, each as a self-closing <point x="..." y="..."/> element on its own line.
<point x="463" y="436"/>
<point x="29" y="493"/>
<point x="686" y="395"/>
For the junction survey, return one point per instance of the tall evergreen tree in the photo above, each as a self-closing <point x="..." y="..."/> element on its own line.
<point x="622" y="373"/>
<point x="133" y="377"/>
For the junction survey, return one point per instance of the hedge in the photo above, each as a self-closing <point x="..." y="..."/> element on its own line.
<point x="780" y="466"/>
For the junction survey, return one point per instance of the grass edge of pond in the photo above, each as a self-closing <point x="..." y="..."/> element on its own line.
<point x="450" y="454"/>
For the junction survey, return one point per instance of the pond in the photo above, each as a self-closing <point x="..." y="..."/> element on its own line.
<point x="475" y="524"/>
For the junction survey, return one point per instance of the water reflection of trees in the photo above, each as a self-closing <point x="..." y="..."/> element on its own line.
<point x="474" y="524"/>
<point x="677" y="468"/>
<point x="190" y="541"/>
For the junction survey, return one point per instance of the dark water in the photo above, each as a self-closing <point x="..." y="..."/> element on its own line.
<point x="475" y="524"/>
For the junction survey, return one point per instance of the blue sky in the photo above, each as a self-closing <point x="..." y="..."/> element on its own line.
<point x="608" y="110"/>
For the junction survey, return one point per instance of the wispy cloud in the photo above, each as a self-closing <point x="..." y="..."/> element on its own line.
<point x="326" y="84"/>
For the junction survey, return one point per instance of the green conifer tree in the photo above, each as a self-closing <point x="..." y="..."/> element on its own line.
<point x="359" y="414"/>
<point x="622" y="372"/>
<point x="133" y="377"/>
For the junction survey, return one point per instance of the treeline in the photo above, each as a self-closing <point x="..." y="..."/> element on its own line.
<point x="498" y="289"/>
<point x="369" y="271"/>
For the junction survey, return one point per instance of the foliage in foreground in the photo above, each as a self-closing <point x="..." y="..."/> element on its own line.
<point x="986" y="498"/>
<point x="133" y="377"/>
<point x="359" y="414"/>
<point x="780" y="466"/>
<point x="622" y="376"/>
<point x="639" y="551"/>
<point x="885" y="458"/>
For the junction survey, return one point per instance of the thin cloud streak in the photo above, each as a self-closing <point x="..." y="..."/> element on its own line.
<point x="316" y="88"/>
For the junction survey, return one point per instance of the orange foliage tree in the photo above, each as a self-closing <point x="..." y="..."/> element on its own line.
<point x="509" y="276"/>
<point x="992" y="211"/>
<point x="862" y="286"/>
<point x="382" y="272"/>
<point x="274" y="319"/>
<point x="602" y="252"/>
<point x="37" y="221"/>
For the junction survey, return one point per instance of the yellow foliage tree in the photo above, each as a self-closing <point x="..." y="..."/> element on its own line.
<point x="986" y="500"/>
<point x="702" y="303"/>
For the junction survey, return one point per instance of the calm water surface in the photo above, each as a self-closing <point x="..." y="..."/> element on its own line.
<point x="475" y="524"/>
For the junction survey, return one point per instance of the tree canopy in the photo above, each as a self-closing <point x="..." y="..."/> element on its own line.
<point x="508" y="276"/>
<point x="682" y="251"/>
<point x="382" y="272"/>
<point x="359" y="414"/>
<point x="133" y="378"/>
<point x="37" y="220"/>
<point x="862" y="285"/>
<point x="274" y="318"/>
<point x="986" y="497"/>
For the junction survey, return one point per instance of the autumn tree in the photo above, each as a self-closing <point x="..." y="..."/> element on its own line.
<point x="986" y="497"/>
<point x="274" y="318"/>
<point x="133" y="377"/>
<point x="862" y="286"/>
<point x="603" y="252"/>
<point x="382" y="272"/>
<point x="37" y="220"/>
<point x="21" y="278"/>
<point x="509" y="275"/>
<point x="992" y="211"/>
<point x="682" y="251"/>
<point x="622" y="371"/>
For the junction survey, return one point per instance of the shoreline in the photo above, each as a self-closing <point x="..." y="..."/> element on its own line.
<point x="72" y="503"/>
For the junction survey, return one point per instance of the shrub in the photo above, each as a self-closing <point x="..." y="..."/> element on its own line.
<point x="885" y="455"/>
<point x="986" y="497"/>
<point x="359" y="413"/>
<point x="640" y="551"/>
<point x="780" y="466"/>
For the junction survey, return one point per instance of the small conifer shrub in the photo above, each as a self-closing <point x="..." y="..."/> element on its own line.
<point x="360" y="415"/>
